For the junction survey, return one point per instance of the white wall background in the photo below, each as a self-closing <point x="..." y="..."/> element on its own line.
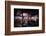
<point x="2" y="18"/>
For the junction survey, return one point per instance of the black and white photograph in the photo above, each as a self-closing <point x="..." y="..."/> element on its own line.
<point x="26" y="17"/>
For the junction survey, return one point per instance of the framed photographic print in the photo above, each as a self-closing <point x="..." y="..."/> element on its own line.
<point x="24" y="17"/>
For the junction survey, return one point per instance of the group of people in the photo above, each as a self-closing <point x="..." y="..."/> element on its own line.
<point x="26" y="20"/>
